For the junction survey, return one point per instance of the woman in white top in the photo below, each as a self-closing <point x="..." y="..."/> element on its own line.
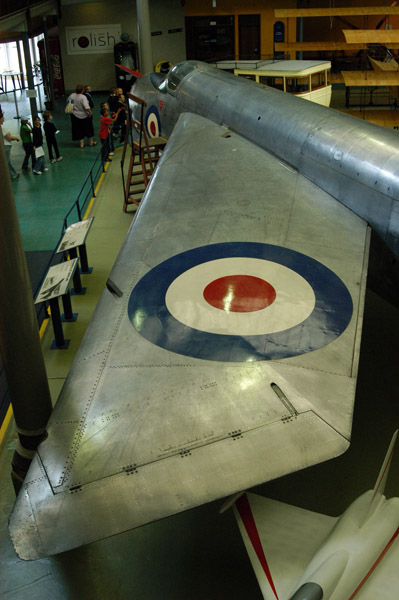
<point x="81" y="118"/>
<point x="8" y="138"/>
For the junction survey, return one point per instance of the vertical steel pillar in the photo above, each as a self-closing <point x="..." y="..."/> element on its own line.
<point x="144" y="36"/>
<point x="21" y="66"/>
<point x="49" y="65"/>
<point x="29" y="73"/>
<point x="300" y="53"/>
<point x="19" y="336"/>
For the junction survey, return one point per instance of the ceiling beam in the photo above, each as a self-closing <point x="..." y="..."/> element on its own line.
<point x="336" y="12"/>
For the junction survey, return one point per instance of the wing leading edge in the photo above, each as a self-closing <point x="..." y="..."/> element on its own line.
<point x="144" y="429"/>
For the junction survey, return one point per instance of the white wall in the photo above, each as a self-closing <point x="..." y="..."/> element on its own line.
<point x="98" y="70"/>
<point x="166" y="15"/>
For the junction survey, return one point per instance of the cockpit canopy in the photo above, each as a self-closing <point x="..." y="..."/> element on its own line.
<point x="174" y="78"/>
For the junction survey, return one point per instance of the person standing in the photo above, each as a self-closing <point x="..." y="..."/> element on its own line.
<point x="49" y="131"/>
<point x="81" y="122"/>
<point x="8" y="138"/>
<point x="104" y="134"/>
<point x="37" y="135"/>
<point x="25" y="132"/>
<point x="113" y="107"/>
<point x="121" y="120"/>
<point x="113" y="100"/>
<point x="87" y="93"/>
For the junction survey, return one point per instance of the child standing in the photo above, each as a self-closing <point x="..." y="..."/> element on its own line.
<point x="113" y="100"/>
<point x="37" y="136"/>
<point x="50" y="130"/>
<point x="121" y="120"/>
<point x="26" y="137"/>
<point x="113" y="107"/>
<point x="106" y="122"/>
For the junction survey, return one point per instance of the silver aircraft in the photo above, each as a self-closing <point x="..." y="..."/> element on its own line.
<point x="224" y="351"/>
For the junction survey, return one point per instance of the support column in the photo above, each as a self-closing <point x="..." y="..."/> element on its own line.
<point x="21" y="66"/>
<point x="19" y="336"/>
<point x="144" y="36"/>
<point x="300" y="54"/>
<point x="49" y="65"/>
<point x="29" y="73"/>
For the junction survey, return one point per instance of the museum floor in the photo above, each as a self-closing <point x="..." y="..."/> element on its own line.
<point x="196" y="555"/>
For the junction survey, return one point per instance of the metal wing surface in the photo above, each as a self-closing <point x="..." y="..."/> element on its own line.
<point x="170" y="404"/>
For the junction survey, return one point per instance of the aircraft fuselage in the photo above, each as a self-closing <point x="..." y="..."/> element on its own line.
<point x="353" y="160"/>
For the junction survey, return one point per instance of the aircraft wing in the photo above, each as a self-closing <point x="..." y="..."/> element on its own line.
<point x="187" y="387"/>
<point x="282" y="539"/>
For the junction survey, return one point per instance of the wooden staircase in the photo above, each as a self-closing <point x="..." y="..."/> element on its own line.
<point x="144" y="155"/>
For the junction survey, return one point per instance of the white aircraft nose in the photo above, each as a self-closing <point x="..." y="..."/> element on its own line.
<point x="324" y="579"/>
<point x="308" y="591"/>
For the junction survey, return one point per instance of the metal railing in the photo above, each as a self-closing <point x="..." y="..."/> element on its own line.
<point x="74" y="214"/>
<point x="76" y="211"/>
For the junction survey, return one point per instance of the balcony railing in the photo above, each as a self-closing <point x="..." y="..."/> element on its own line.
<point x="8" y="7"/>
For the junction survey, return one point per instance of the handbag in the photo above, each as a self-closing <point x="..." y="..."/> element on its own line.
<point x="69" y="107"/>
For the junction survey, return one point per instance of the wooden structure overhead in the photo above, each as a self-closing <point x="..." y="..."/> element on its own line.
<point x="355" y="39"/>
<point x="371" y="78"/>
<point x="9" y="36"/>
<point x="329" y="46"/>
<point x="371" y="36"/>
<point x="332" y="46"/>
<point x="336" y="12"/>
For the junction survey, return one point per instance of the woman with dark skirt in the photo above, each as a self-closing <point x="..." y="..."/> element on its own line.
<point x="81" y="121"/>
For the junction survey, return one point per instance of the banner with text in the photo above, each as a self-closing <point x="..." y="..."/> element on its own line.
<point x="92" y="39"/>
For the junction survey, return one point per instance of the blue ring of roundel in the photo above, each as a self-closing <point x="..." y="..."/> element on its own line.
<point x="153" y="111"/>
<point x="330" y="317"/>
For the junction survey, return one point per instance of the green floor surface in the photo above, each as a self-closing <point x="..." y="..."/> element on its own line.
<point x="42" y="201"/>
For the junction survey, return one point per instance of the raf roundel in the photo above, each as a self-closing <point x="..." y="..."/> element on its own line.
<point x="240" y="302"/>
<point x="153" y="122"/>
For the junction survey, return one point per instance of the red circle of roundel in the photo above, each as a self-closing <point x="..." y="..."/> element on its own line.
<point x="153" y="122"/>
<point x="153" y="129"/>
<point x="239" y="293"/>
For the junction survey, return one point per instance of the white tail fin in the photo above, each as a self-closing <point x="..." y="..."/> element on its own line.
<point x="381" y="479"/>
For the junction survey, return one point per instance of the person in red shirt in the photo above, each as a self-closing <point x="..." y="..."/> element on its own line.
<point x="106" y="122"/>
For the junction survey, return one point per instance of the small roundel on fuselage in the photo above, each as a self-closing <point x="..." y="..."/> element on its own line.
<point x="153" y="122"/>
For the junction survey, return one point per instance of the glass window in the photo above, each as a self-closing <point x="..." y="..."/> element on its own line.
<point x="157" y="79"/>
<point x="9" y="57"/>
<point x="298" y="85"/>
<point x="318" y="80"/>
<point x="178" y="73"/>
<point x="276" y="82"/>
